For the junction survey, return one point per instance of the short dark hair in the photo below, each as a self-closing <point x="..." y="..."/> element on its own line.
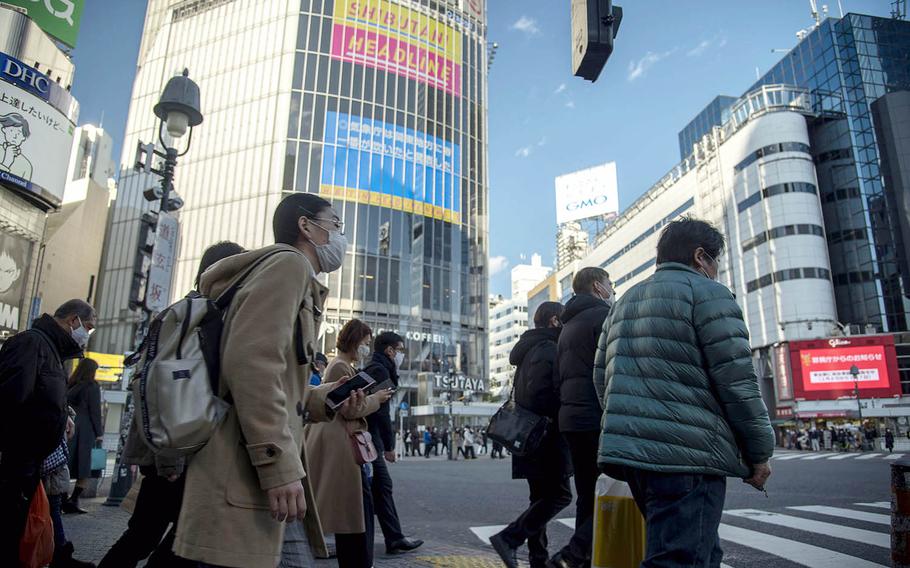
<point x="680" y="239"/>
<point x="75" y="307"/>
<point x="385" y="340"/>
<point x="216" y="252"/>
<point x="85" y="371"/>
<point x="289" y="212"/>
<point x="351" y="335"/>
<point x="583" y="283"/>
<point x="545" y="312"/>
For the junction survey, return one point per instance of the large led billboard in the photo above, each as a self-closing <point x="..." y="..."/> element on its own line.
<point x="388" y="36"/>
<point x="372" y="162"/>
<point x="822" y="368"/>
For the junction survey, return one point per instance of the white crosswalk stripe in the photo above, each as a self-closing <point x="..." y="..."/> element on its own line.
<point x="786" y="457"/>
<point x="837" y="531"/>
<point x="792" y="550"/>
<point x="877" y="518"/>
<point x="841" y="456"/>
<point x="748" y="532"/>
<point x="869" y="456"/>
<point x="813" y="457"/>
<point x="894" y="456"/>
<point x="877" y="504"/>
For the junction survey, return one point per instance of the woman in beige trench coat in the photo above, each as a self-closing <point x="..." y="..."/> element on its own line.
<point x="340" y="485"/>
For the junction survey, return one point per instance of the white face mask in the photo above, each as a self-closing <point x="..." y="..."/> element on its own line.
<point x="608" y="298"/>
<point x="399" y="359"/>
<point x="331" y="254"/>
<point x="80" y="335"/>
<point x="363" y="351"/>
<point x="705" y="272"/>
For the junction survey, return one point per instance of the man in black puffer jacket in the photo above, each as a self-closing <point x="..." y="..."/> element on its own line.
<point x="580" y="410"/>
<point x="33" y="411"/>
<point x="548" y="467"/>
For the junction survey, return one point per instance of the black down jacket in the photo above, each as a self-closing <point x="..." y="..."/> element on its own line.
<point x="535" y="390"/>
<point x="583" y="318"/>
<point x="33" y="391"/>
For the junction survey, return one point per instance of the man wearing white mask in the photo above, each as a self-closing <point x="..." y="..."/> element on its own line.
<point x="388" y="356"/>
<point x="250" y="478"/>
<point x="33" y="410"/>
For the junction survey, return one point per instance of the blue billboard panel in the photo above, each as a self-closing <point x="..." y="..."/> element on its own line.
<point x="376" y="163"/>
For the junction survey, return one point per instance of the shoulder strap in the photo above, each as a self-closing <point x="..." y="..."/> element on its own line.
<point x="49" y="344"/>
<point x="226" y="297"/>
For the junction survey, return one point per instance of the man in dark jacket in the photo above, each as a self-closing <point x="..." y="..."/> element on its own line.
<point x="676" y="426"/>
<point x="388" y="355"/>
<point x="33" y="411"/>
<point x="548" y="467"/>
<point x="579" y="410"/>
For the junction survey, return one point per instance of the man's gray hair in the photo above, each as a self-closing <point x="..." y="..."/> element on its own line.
<point x="80" y="308"/>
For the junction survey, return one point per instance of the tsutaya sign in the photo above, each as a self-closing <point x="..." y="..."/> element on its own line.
<point x="460" y="382"/>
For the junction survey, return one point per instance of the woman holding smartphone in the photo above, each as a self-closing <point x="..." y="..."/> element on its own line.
<point x="340" y="485"/>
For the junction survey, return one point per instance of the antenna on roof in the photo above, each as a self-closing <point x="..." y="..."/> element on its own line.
<point x="899" y="9"/>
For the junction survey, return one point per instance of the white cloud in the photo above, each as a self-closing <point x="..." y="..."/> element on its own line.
<point x="498" y="264"/>
<point x="523" y="152"/>
<point x="560" y="89"/>
<point x="570" y="104"/>
<point x="637" y="69"/>
<point x="706" y="44"/>
<point x="526" y="25"/>
<point x="542" y="142"/>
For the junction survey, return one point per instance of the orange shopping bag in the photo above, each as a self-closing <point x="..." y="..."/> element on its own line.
<point x="36" y="549"/>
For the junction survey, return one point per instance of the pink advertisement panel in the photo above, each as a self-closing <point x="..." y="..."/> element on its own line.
<point x="400" y="57"/>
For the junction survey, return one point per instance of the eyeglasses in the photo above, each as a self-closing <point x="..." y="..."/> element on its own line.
<point x="335" y="221"/>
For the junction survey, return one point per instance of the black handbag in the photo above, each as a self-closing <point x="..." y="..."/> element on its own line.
<point x="519" y="430"/>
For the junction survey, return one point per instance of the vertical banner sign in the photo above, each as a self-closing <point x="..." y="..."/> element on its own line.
<point x="58" y="18"/>
<point x="15" y="255"/>
<point x="158" y="289"/>
<point x="782" y="372"/>
<point x="394" y="38"/>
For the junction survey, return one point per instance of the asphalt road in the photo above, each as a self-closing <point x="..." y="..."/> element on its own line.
<point x="453" y="505"/>
<point x="442" y="501"/>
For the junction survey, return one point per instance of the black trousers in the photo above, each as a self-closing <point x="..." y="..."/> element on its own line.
<point x="356" y="550"/>
<point x="17" y="489"/>
<point x="548" y="496"/>
<point x="384" y="503"/>
<point x="157" y="507"/>
<point x="583" y="446"/>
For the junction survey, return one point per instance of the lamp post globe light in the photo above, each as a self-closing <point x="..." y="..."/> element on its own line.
<point x="177" y="110"/>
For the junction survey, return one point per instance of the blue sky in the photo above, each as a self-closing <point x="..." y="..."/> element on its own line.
<point x="672" y="57"/>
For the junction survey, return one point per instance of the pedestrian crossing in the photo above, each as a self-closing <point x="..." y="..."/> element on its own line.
<point x="811" y="456"/>
<point x="814" y="536"/>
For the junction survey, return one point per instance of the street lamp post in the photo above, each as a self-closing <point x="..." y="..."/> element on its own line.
<point x="177" y="110"/>
<point x="451" y="401"/>
<point x="854" y="370"/>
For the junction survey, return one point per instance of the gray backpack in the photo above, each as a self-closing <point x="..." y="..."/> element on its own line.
<point x="175" y="391"/>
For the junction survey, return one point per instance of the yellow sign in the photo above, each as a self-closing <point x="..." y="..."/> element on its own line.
<point x="409" y="25"/>
<point x="110" y="367"/>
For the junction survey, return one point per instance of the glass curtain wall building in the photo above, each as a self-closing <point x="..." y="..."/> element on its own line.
<point x="388" y="121"/>
<point x="848" y="64"/>
<point x="378" y="106"/>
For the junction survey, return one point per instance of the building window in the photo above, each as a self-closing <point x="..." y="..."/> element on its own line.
<point x="784" y="231"/>
<point x="770" y="150"/>
<point x="776" y="189"/>
<point x="788" y="274"/>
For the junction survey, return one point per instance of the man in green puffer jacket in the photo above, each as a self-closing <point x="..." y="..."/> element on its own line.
<point x="682" y="408"/>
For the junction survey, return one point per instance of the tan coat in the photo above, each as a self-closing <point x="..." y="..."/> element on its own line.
<point x="333" y="473"/>
<point x="265" y="366"/>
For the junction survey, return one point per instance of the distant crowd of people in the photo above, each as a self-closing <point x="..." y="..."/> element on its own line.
<point x="834" y="439"/>
<point x="467" y="442"/>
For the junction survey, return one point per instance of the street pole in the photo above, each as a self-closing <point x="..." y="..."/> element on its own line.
<point x="451" y="416"/>
<point x="854" y="370"/>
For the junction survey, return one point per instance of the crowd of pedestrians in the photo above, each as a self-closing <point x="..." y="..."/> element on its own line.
<point x="840" y="439"/>
<point x="656" y="389"/>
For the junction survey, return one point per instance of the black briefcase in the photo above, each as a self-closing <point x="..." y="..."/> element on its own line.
<point x="519" y="430"/>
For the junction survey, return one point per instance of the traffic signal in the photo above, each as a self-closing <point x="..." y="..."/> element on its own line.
<point x="594" y="26"/>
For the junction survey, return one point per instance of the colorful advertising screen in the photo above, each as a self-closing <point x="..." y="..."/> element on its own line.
<point x="59" y="18"/>
<point x="394" y="38"/>
<point x="822" y="368"/>
<point x="375" y="163"/>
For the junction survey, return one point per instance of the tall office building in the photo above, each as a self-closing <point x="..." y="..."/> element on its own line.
<point x="379" y="106"/>
<point x="847" y="64"/>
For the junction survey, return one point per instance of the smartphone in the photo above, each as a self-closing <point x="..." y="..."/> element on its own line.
<point x="384" y="385"/>
<point x="338" y="395"/>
